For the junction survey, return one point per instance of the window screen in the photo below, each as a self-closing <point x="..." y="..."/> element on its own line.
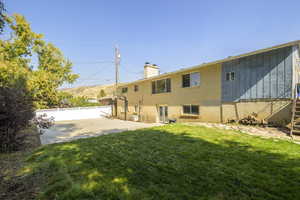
<point x="195" y="79"/>
<point x="189" y="80"/>
<point x="187" y="109"/>
<point x="153" y="87"/>
<point x="186" y="80"/>
<point x="136" y="88"/>
<point x="124" y="90"/>
<point x="230" y="76"/>
<point x="190" y="109"/>
<point x="195" y="109"/>
<point x="168" y="84"/>
<point x="161" y="86"/>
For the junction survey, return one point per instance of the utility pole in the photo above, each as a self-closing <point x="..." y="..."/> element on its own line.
<point x="117" y="64"/>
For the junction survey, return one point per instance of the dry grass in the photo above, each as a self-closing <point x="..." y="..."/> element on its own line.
<point x="13" y="185"/>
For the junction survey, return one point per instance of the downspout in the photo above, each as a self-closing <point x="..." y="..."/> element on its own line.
<point x="116" y="107"/>
<point x="126" y="106"/>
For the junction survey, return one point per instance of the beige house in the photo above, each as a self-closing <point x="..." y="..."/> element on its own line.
<point x="261" y="82"/>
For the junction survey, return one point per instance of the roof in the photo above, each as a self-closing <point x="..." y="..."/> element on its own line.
<point x="296" y="42"/>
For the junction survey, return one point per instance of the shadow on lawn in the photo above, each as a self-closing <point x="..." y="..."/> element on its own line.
<point x="158" y="164"/>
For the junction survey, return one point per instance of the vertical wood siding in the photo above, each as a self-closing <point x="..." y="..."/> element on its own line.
<point x="265" y="75"/>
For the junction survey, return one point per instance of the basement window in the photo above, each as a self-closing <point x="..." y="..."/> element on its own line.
<point x="190" y="109"/>
<point x="125" y="90"/>
<point x="190" y="80"/>
<point x="230" y="76"/>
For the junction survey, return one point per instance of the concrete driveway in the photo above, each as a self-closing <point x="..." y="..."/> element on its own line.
<point x="71" y="130"/>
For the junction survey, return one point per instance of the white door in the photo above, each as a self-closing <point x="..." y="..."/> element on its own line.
<point x="163" y="114"/>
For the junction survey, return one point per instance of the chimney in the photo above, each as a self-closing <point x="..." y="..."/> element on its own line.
<point x="150" y="70"/>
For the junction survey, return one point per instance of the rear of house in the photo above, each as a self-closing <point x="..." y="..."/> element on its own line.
<point x="261" y="82"/>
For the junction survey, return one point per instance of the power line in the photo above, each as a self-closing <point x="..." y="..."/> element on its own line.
<point x="75" y="62"/>
<point x="95" y="62"/>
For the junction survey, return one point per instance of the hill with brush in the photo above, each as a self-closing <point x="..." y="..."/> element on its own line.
<point x="90" y="91"/>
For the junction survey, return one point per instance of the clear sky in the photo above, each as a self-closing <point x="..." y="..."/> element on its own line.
<point x="173" y="34"/>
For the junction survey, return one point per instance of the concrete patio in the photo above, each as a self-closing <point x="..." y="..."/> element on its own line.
<point x="64" y="131"/>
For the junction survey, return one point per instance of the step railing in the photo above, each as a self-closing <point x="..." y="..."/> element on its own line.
<point x="295" y="97"/>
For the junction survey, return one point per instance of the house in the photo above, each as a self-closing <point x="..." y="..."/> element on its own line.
<point x="261" y="82"/>
<point x="92" y="100"/>
<point x="107" y="100"/>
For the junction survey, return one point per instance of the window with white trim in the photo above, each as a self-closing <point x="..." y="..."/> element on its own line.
<point x="190" y="109"/>
<point x="161" y="86"/>
<point x="190" y="80"/>
<point x="125" y="90"/>
<point x="230" y="76"/>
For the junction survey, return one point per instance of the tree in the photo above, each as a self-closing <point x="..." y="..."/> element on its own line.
<point x="52" y="69"/>
<point x="16" y="108"/>
<point x="24" y="87"/>
<point x="2" y="20"/>
<point x="101" y="94"/>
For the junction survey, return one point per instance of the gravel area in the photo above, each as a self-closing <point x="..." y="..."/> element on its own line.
<point x="266" y="132"/>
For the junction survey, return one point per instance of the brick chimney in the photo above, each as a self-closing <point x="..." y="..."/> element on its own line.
<point x="150" y="70"/>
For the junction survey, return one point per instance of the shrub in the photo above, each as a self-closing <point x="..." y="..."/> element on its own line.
<point x="101" y="94"/>
<point x="67" y="100"/>
<point x="16" y="111"/>
<point x="43" y="122"/>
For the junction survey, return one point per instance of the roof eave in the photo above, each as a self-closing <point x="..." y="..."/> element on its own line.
<point x="296" y="42"/>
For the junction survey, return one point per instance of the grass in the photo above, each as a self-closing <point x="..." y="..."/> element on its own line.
<point x="169" y="162"/>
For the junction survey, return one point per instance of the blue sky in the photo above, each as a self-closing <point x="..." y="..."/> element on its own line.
<point x="173" y="34"/>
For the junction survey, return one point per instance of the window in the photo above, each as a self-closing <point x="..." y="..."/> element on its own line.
<point x="230" y="76"/>
<point x="190" y="80"/>
<point x="186" y="80"/>
<point x="136" y="88"/>
<point x="161" y="86"/>
<point x="190" y="109"/>
<point x="124" y="90"/>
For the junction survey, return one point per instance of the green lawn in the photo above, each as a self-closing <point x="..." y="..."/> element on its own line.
<point x="169" y="162"/>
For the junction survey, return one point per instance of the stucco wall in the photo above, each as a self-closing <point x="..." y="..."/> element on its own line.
<point x="63" y="114"/>
<point x="207" y="95"/>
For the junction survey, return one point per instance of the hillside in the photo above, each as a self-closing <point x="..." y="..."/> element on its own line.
<point x="90" y="91"/>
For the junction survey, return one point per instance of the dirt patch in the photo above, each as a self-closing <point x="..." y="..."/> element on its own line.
<point x="266" y="132"/>
<point x="14" y="186"/>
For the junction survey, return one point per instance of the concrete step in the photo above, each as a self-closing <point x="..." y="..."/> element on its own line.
<point x="296" y="131"/>
<point x="297" y="126"/>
